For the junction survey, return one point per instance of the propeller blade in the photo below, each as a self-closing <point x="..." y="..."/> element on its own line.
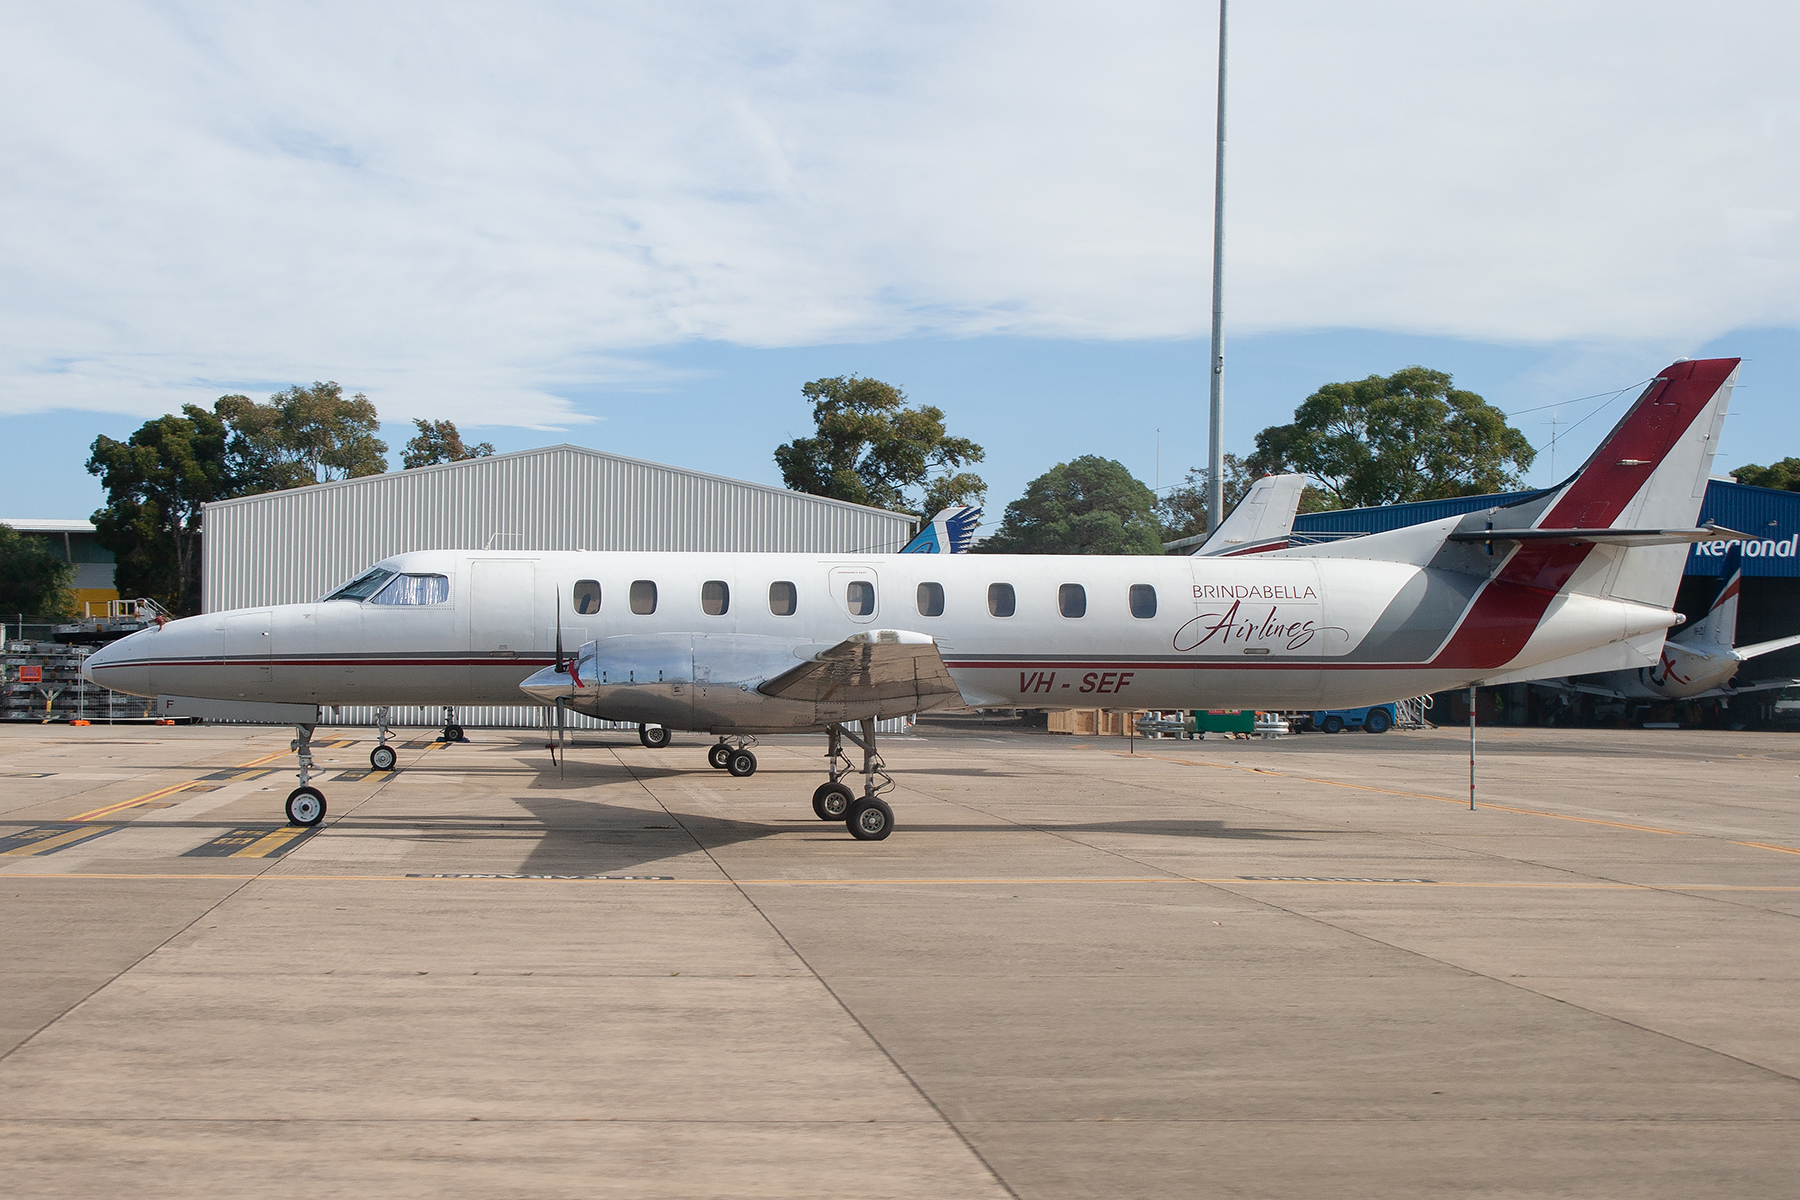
<point x="561" y="667"/>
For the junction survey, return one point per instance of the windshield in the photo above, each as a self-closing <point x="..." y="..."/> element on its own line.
<point x="363" y="586"/>
<point x="415" y="589"/>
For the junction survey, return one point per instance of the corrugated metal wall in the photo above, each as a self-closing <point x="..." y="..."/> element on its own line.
<point x="292" y="547"/>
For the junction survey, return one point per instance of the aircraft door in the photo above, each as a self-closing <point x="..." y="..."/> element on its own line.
<point x="856" y="593"/>
<point x="502" y="603"/>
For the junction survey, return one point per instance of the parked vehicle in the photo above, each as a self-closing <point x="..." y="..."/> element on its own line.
<point x="1378" y="718"/>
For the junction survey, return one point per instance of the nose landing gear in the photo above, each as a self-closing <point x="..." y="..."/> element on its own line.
<point x="382" y="757"/>
<point x="305" y="805"/>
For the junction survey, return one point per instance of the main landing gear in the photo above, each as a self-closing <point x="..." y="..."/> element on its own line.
<point x="654" y="737"/>
<point x="452" y="731"/>
<point x="305" y="805"/>
<point x="868" y="817"/>
<point x="382" y="757"/>
<point x="733" y="755"/>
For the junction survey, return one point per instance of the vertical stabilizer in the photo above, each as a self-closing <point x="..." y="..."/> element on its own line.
<point x="1717" y="630"/>
<point x="1262" y="521"/>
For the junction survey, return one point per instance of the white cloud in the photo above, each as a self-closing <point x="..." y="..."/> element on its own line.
<point x="475" y="211"/>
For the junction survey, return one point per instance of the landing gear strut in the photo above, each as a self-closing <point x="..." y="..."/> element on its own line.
<point x="733" y="755"/>
<point x="868" y="816"/>
<point x="305" y="805"/>
<point x="382" y="757"/>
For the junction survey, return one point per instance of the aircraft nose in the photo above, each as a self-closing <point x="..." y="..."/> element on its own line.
<point x="548" y="685"/>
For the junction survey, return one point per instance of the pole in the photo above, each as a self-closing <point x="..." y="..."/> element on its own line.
<point x="1471" y="747"/>
<point x="1215" y="457"/>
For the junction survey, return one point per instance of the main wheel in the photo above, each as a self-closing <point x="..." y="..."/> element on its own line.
<point x="719" y="756"/>
<point x="305" y="806"/>
<point x="870" y="820"/>
<point x="1333" y="724"/>
<point x="654" y="737"/>
<point x="453" y="733"/>
<point x="383" y="758"/>
<point x="742" y="763"/>
<point x="832" y="801"/>
<point x="1378" y="722"/>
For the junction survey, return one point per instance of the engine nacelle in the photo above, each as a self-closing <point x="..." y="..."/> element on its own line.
<point x="683" y="680"/>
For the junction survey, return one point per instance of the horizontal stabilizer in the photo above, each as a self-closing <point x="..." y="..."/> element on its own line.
<point x="1761" y="648"/>
<point x="881" y="665"/>
<point x="1602" y="537"/>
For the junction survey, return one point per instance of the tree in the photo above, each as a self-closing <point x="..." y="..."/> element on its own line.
<point x="1783" y="476"/>
<point x="33" y="578"/>
<point x="1410" y="436"/>
<point x="872" y="449"/>
<point x="1183" y="510"/>
<point x="439" y="442"/>
<point x="156" y="483"/>
<point x="306" y="434"/>
<point x="1091" y="505"/>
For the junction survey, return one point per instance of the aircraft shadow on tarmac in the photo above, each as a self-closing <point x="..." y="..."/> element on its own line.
<point x="590" y="837"/>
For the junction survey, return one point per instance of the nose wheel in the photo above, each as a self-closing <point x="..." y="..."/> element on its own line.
<point x="654" y="737"/>
<point x="383" y="758"/>
<point x="305" y="806"/>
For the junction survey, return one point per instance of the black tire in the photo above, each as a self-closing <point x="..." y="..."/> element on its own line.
<point x="1378" y="722"/>
<point x="832" y="802"/>
<point x="719" y="756"/>
<point x="741" y="764"/>
<point x="383" y="758"/>
<point x="453" y="733"/>
<point x="1333" y="724"/>
<point x="870" y="820"/>
<point x="305" y="806"/>
<point x="654" y="737"/>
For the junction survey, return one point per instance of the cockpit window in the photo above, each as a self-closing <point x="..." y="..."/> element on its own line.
<point x="415" y="589"/>
<point x="363" y="586"/>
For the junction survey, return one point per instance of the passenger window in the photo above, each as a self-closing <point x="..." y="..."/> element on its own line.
<point x="1071" y="600"/>
<point x="715" y="597"/>
<point x="643" y="597"/>
<point x="931" y="599"/>
<point x="1001" y="600"/>
<point x="859" y="598"/>
<point x="784" y="598"/>
<point x="587" y="596"/>
<point x="1143" y="601"/>
<point x="415" y="589"/>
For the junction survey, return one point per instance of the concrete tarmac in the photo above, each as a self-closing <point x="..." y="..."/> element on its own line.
<point x="1221" y="968"/>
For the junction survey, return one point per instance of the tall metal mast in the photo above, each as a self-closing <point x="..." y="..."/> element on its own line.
<point x="1215" y="460"/>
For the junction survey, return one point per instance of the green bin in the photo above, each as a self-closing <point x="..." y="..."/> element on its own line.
<point x="1225" y="720"/>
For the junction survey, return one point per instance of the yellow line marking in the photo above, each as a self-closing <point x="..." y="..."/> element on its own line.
<point x="1529" y="812"/>
<point x="263" y="846"/>
<point x="995" y="881"/>
<point x="50" y="843"/>
<point x="124" y="804"/>
<point x="97" y="813"/>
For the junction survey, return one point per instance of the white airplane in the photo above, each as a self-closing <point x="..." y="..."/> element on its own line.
<point x="1697" y="663"/>
<point x="1262" y="521"/>
<point x="1576" y="580"/>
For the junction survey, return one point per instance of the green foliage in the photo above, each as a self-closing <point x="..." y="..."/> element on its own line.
<point x="1783" y="476"/>
<point x="306" y="435"/>
<point x="156" y="483"/>
<point x="1091" y="505"/>
<point x="34" y="578"/>
<point x="1183" y="509"/>
<point x="872" y="449"/>
<point x="1410" y="436"/>
<point x="439" y="442"/>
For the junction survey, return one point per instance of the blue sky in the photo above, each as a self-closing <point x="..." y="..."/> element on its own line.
<point x="643" y="229"/>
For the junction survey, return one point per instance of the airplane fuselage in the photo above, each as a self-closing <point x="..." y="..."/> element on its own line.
<point x="1015" y="631"/>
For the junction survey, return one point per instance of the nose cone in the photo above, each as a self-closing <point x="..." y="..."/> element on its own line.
<point x="548" y="686"/>
<point x="123" y="665"/>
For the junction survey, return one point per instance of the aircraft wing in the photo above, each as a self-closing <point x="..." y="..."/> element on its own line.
<point x="882" y="664"/>
<point x="1760" y="648"/>
<point x="1585" y="689"/>
<point x="1761" y="685"/>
